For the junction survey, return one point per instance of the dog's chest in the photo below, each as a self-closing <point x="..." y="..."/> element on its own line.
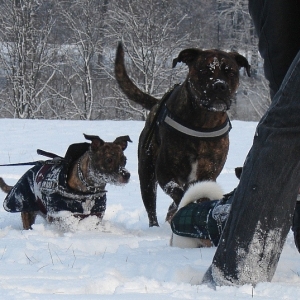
<point x="205" y="164"/>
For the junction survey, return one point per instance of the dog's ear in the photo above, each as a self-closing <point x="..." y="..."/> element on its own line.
<point x="238" y="172"/>
<point x="96" y="141"/>
<point x="186" y="56"/>
<point x="242" y="61"/>
<point x="122" y="141"/>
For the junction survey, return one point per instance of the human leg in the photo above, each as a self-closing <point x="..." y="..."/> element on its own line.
<point x="264" y="202"/>
<point x="277" y="26"/>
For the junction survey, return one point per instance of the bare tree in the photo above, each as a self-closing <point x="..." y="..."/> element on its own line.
<point x="80" y="67"/>
<point x="151" y="34"/>
<point x="24" y="32"/>
<point x="57" y="56"/>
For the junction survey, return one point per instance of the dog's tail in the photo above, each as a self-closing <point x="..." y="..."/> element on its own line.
<point x="126" y="84"/>
<point x="4" y="187"/>
<point x="203" y="189"/>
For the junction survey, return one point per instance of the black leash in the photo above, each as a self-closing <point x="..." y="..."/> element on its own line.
<point x="48" y="154"/>
<point x="34" y="163"/>
<point x="57" y="160"/>
<point x="30" y="163"/>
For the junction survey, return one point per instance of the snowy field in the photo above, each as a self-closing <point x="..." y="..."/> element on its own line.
<point x="121" y="258"/>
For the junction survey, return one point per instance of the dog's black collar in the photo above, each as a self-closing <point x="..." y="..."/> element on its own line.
<point x="90" y="189"/>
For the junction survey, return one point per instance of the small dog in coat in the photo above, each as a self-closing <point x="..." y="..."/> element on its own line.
<point x="201" y="216"/>
<point x="75" y="183"/>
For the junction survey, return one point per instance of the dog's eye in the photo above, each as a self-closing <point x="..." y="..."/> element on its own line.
<point x="203" y="71"/>
<point x="109" y="160"/>
<point x="229" y="72"/>
<point x="124" y="161"/>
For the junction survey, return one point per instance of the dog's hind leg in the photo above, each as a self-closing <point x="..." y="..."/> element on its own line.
<point x="28" y="219"/>
<point x="148" y="186"/>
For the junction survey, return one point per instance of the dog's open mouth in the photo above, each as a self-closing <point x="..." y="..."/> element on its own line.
<point x="211" y="102"/>
<point x="215" y="105"/>
<point x="221" y="106"/>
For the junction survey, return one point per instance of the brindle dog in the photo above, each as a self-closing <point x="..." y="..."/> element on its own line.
<point x="185" y="138"/>
<point x="75" y="183"/>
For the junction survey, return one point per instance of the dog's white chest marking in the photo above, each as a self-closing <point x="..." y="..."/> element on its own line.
<point x="193" y="174"/>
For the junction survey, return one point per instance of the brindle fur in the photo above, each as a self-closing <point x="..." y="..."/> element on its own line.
<point x="100" y="158"/>
<point x="201" y="102"/>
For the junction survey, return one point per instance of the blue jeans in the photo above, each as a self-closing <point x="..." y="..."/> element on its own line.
<point x="264" y="201"/>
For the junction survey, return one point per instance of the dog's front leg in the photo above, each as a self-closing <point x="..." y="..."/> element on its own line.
<point x="170" y="178"/>
<point x="175" y="191"/>
<point x="169" y="184"/>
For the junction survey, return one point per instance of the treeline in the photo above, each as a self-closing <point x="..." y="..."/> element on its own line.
<point x="56" y="56"/>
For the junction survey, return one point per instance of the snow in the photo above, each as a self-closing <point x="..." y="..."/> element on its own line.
<point x="122" y="258"/>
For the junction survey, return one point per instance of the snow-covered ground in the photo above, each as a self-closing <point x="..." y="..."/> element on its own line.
<point x="122" y="258"/>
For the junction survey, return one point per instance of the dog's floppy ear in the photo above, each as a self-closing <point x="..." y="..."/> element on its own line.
<point x="186" y="56"/>
<point x="96" y="141"/>
<point x="242" y="61"/>
<point x="122" y="141"/>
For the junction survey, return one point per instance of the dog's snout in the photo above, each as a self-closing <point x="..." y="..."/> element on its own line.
<point x="126" y="176"/>
<point x="220" y="86"/>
